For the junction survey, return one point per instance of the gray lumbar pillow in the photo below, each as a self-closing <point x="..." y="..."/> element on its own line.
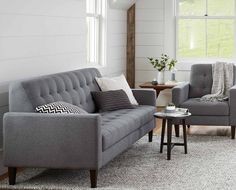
<point x="60" y="107"/>
<point x="111" y="100"/>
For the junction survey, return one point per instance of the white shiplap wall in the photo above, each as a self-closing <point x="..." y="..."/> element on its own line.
<point x="153" y="23"/>
<point x="39" y="37"/>
<point x="116" y="42"/>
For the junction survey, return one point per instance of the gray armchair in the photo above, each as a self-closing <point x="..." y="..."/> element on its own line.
<point x="205" y="113"/>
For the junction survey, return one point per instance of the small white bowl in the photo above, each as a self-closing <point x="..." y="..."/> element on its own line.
<point x="170" y="108"/>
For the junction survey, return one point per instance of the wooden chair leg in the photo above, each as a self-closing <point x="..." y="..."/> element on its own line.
<point x="232" y="132"/>
<point x="93" y="178"/>
<point x="12" y="175"/>
<point x="177" y="130"/>
<point x="150" y="135"/>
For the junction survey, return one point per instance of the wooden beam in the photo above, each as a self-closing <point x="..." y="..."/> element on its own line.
<point x="130" y="63"/>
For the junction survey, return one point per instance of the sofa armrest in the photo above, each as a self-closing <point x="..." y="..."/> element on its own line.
<point x="180" y="93"/>
<point x="232" y="105"/>
<point x="52" y="140"/>
<point x="145" y="96"/>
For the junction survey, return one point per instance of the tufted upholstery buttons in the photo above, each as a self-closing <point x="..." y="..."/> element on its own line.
<point x="200" y="80"/>
<point x="72" y="87"/>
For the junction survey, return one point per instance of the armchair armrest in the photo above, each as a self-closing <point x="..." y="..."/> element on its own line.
<point x="232" y="105"/>
<point x="180" y="93"/>
<point x="52" y="140"/>
<point x="145" y="96"/>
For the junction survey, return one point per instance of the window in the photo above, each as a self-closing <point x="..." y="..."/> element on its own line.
<point x="96" y="31"/>
<point x="205" y="28"/>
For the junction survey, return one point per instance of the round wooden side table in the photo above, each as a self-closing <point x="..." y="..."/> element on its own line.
<point x="169" y="117"/>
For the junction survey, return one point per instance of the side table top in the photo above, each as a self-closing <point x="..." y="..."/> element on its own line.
<point x="171" y="115"/>
<point x="158" y="86"/>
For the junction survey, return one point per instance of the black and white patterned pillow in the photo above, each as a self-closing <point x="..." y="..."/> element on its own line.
<point x="60" y="107"/>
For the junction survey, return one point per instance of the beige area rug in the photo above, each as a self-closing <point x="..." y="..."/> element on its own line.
<point x="209" y="164"/>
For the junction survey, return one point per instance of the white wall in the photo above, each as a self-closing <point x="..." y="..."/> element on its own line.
<point x="116" y="42"/>
<point x="39" y="37"/>
<point x="155" y="35"/>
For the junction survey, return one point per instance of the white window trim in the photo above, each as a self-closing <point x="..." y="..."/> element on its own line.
<point x="169" y="28"/>
<point x="102" y="43"/>
<point x="191" y="61"/>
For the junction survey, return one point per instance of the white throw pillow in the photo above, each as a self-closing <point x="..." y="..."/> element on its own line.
<point x="117" y="83"/>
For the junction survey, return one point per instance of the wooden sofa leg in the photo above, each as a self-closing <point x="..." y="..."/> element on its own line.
<point x="93" y="178"/>
<point x="177" y="130"/>
<point x="188" y="126"/>
<point x="12" y="175"/>
<point x="150" y="135"/>
<point x="232" y="132"/>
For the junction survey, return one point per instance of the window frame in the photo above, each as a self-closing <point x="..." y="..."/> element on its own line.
<point x="206" y="17"/>
<point x="101" y="44"/>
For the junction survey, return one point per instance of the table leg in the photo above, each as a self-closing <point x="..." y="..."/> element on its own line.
<point x="162" y="134"/>
<point x="185" y="136"/>
<point x="177" y="130"/>
<point x="157" y="93"/>
<point x="169" y="135"/>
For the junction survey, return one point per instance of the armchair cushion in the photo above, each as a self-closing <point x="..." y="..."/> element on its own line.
<point x="118" y="124"/>
<point x="200" y="80"/>
<point x="206" y="108"/>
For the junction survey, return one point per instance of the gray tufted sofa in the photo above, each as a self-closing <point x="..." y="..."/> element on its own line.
<point x="70" y="141"/>
<point x="205" y="113"/>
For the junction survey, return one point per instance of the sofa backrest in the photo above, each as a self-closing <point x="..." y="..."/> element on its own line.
<point x="73" y="87"/>
<point x="201" y="80"/>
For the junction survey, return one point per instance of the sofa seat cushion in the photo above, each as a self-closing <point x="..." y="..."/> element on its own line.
<point x="206" y="108"/>
<point x="118" y="124"/>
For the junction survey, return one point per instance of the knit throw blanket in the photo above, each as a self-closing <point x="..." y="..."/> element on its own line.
<point x="222" y="74"/>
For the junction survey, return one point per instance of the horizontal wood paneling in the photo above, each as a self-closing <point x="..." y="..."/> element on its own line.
<point x="150" y="15"/>
<point x="148" y="51"/>
<point x="25" y="47"/>
<point x="118" y="40"/>
<point x="117" y="27"/>
<point x="149" y="27"/>
<point x="27" y="26"/>
<point x="58" y="8"/>
<point x="149" y="39"/>
<point x="39" y="37"/>
<point x="30" y="67"/>
<point x="150" y="4"/>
